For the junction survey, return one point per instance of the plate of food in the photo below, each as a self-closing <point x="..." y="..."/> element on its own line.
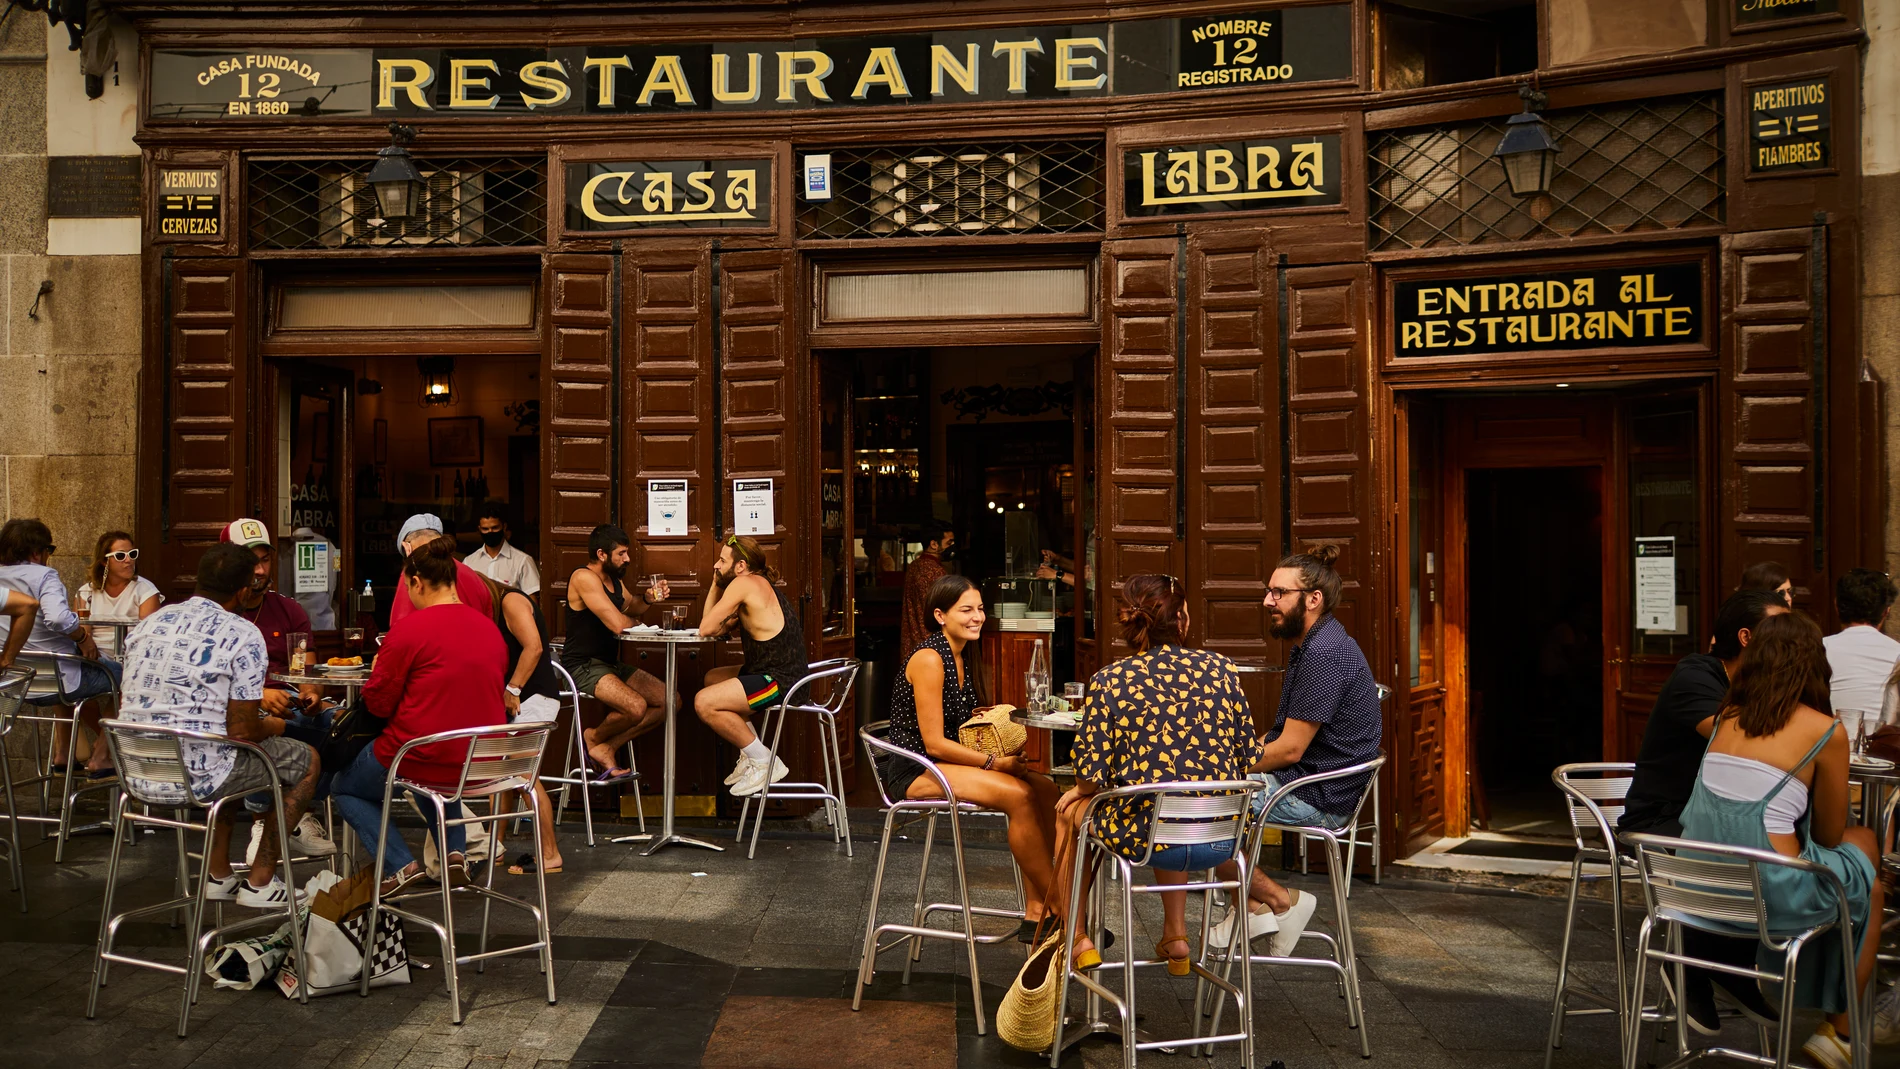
<point x="1869" y="763"/>
<point x="343" y="666"/>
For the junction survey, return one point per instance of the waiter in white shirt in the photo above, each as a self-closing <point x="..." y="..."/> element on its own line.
<point x="497" y="559"/>
<point x="1862" y="657"/>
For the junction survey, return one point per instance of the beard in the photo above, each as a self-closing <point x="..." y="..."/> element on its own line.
<point x="722" y="578"/>
<point x="613" y="571"/>
<point x="1291" y="624"/>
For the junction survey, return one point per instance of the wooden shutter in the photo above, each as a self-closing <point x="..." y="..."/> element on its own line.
<point x="1766" y="409"/>
<point x="1233" y="447"/>
<point x="667" y="427"/>
<point x="759" y="398"/>
<point x="208" y="420"/>
<point x="1136" y="498"/>
<point x="577" y="414"/>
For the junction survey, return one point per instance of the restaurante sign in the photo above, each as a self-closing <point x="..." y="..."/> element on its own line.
<point x="1606" y="308"/>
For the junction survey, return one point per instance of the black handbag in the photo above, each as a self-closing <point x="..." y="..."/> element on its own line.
<point x="352" y="727"/>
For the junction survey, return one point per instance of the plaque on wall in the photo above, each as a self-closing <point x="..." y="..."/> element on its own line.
<point x="1229" y="176"/>
<point x="1650" y="306"/>
<point x="191" y="202"/>
<point x="1762" y="11"/>
<point x="92" y="187"/>
<point x="1790" y="127"/>
<point x="631" y="195"/>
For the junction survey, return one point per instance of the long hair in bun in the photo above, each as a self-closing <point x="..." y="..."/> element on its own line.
<point x="433" y="562"/>
<point x="1316" y="572"/>
<point x="1150" y="614"/>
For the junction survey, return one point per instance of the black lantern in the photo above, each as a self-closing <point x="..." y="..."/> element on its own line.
<point x="438" y="379"/>
<point x="395" y="177"/>
<point x="1526" y="150"/>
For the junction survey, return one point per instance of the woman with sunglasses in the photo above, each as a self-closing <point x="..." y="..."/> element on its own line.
<point x="116" y="589"/>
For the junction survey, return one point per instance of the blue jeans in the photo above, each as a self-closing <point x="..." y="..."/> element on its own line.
<point x="96" y="678"/>
<point x="1192" y="857"/>
<point x="358" y="790"/>
<point x="1292" y="811"/>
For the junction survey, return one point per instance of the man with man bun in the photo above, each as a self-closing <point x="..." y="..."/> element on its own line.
<point x="743" y="598"/>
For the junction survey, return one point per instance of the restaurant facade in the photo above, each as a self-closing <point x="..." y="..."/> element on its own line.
<point x="1142" y="287"/>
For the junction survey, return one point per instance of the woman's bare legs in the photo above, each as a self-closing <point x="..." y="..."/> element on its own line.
<point x="1173" y="914"/>
<point x="550" y="846"/>
<point x="1030" y="803"/>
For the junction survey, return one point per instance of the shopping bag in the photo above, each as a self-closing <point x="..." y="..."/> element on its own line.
<point x="244" y="964"/>
<point x="334" y="939"/>
<point x="1026" y="1019"/>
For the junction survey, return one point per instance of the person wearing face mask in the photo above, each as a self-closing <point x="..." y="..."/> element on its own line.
<point x="914" y="622"/>
<point x="498" y="559"/>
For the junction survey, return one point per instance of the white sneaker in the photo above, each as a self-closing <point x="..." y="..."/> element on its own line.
<point x="739" y="770"/>
<point x="1827" y="1050"/>
<point x="225" y="890"/>
<point x="1258" y="924"/>
<point x="273" y="895"/>
<point x="754" y="779"/>
<point x="1887" y="1017"/>
<point x="1293" y="923"/>
<point x="308" y="839"/>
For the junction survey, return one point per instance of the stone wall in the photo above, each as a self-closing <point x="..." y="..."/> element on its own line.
<point x="1880" y="239"/>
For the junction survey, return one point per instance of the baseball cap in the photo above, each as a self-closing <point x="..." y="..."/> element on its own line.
<point x="247" y="533"/>
<point x="421" y="521"/>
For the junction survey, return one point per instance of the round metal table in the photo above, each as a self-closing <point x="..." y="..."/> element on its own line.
<point x="351" y="682"/>
<point x="119" y="625"/>
<point x="666" y="836"/>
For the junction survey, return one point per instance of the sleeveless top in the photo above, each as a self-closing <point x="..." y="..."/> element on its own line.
<point x="543" y="681"/>
<point x="959" y="701"/>
<point x="587" y="638"/>
<point x="783" y="655"/>
<point x="1795" y="899"/>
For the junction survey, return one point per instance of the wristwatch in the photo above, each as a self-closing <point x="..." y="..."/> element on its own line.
<point x="512" y="689"/>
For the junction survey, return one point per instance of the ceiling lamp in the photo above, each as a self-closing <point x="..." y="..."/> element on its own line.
<point x="1527" y="151"/>
<point x="438" y="379"/>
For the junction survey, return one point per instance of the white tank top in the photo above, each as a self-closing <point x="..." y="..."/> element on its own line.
<point x="1744" y="779"/>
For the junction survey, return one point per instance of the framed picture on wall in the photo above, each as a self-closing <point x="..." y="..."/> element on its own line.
<point x="455" y="442"/>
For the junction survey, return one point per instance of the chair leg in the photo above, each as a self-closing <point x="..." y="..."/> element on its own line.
<point x="16" y="865"/>
<point x="867" y="957"/>
<point x="448" y="911"/>
<point x="916" y="948"/>
<point x="66" y="790"/>
<point x="193" y="930"/>
<point x="1560" y="999"/>
<point x="1129" y="1036"/>
<point x="969" y="932"/>
<point x="543" y="930"/>
<point x="1632" y="1018"/>
<point x="1784" y="1043"/>
<point x="290" y="907"/>
<point x="105" y="925"/>
<point x="639" y="807"/>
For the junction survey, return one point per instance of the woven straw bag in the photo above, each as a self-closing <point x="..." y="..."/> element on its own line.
<point x="1026" y="1019"/>
<point x="993" y="732"/>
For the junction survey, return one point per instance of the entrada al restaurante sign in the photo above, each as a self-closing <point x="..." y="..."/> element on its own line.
<point x="1612" y="308"/>
<point x="1258" y="48"/>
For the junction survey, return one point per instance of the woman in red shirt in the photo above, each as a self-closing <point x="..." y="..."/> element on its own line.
<point x="440" y="668"/>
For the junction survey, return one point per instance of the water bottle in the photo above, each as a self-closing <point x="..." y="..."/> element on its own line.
<point x="1036" y="680"/>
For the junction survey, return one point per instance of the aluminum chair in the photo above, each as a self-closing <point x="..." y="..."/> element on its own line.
<point x="1364" y="832"/>
<point x="48" y="688"/>
<point x="499" y="759"/>
<point x="1593" y="793"/>
<point x="912" y="935"/>
<point x="14" y="684"/>
<point x="1185" y="813"/>
<point x="833" y="678"/>
<point x="1344" y="961"/>
<point x="575" y="775"/>
<point x="150" y="758"/>
<point x="1717" y="888"/>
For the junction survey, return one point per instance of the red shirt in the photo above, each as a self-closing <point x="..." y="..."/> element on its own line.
<point x="915" y="624"/>
<point x="440" y="668"/>
<point x="468" y="586"/>
<point x="277" y="616"/>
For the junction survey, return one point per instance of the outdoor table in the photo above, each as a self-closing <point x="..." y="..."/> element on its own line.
<point x="351" y="682"/>
<point x="672" y="640"/>
<point x="119" y="625"/>
<point x="1257" y="667"/>
<point x="1877" y="784"/>
<point x="1037" y="720"/>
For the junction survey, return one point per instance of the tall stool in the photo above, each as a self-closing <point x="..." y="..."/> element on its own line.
<point x="48" y="688"/>
<point x="14" y="683"/>
<point x="1185" y="813"/>
<point x="498" y="759"/>
<point x="150" y="759"/>
<point x="1365" y="830"/>
<point x="1344" y="960"/>
<point x="575" y="774"/>
<point x="1593" y="793"/>
<point x="913" y="934"/>
<point x="833" y="678"/>
<point x="1717" y="888"/>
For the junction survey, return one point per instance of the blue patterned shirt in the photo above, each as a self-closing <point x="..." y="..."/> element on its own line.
<point x="1328" y="683"/>
<point x="183" y="665"/>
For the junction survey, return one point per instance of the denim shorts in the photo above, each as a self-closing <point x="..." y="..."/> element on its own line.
<point x="1291" y="810"/>
<point x="1192" y="857"/>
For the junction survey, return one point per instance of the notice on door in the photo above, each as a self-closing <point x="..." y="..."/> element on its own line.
<point x="752" y="507"/>
<point x="313" y="568"/>
<point x="666" y="508"/>
<point x="1656" y="584"/>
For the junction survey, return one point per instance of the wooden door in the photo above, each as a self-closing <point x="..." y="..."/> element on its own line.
<point x="322" y="467"/>
<point x="1418" y="765"/>
<point x="577" y="413"/>
<point x="833" y="460"/>
<point x="1086" y="621"/>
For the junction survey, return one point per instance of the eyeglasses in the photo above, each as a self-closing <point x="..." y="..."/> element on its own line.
<point x="1277" y="594"/>
<point x="1173" y="583"/>
<point x="124" y="554"/>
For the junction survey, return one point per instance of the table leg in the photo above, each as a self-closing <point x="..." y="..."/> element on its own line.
<point x="666" y="837"/>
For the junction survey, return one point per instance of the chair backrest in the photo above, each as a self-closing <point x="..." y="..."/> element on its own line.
<point x="1594" y="792"/>
<point x="569" y="689"/>
<point x="1709" y="885"/>
<point x="47" y="686"/>
<point x="152" y="755"/>
<point x="1369" y="769"/>
<point x="1186" y="812"/>
<point x="830" y="680"/>
<point x="499" y="757"/>
<point x="14" y="684"/>
<point x="874" y="744"/>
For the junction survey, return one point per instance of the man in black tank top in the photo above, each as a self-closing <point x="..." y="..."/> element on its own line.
<point x="742" y="598"/>
<point x="599" y="607"/>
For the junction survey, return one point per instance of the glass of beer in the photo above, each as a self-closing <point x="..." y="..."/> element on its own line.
<point x="84" y="608"/>
<point x="352" y="642"/>
<point x="679" y="617"/>
<point x="297" y="644"/>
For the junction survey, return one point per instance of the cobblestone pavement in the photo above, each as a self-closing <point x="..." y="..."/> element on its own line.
<point x="695" y="958"/>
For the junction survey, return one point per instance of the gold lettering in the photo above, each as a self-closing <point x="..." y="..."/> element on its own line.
<point x="421" y="76"/>
<point x="1649" y="320"/>
<point x="1567" y="324"/>
<point x="607" y="65"/>
<point x="1466" y="335"/>
<point x="943" y="62"/>
<point x="1593" y="324"/>
<point x="722" y="79"/>
<point x="1435" y="332"/>
<point x="742" y="190"/>
<point x="1220" y="171"/>
<point x="1491" y="328"/>
<point x="1649" y="291"/>
<point x="814" y="79"/>
<point x="1309" y="165"/>
<point x="1183" y="172"/>
<point x="665" y="76"/>
<point x="1427" y="301"/>
<point x="881" y="68"/>
<point x="1018" y="60"/>
<point x="460" y="82"/>
<point x="1507" y="296"/>
<point x="1263" y="161"/>
<point x="1584" y="290"/>
<point x="1067" y="62"/>
<point x="658" y="195"/>
<point x="1484" y="291"/>
<point x="1147" y="178"/>
<point x="1541" y="337"/>
<point x="698" y="180"/>
<point x="1411" y="335"/>
<point x="1631" y="289"/>
<point x="1621" y="321"/>
<point x="533" y="76"/>
<point x="1677" y="317"/>
<point x="1457" y="298"/>
<point x="592" y="188"/>
<point x="1514" y="331"/>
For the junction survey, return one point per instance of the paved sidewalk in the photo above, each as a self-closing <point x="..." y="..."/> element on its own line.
<point x="694" y="958"/>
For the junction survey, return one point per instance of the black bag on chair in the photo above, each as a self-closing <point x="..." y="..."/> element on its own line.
<point x="352" y="727"/>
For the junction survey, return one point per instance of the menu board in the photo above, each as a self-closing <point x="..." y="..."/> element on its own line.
<point x="1790" y="127"/>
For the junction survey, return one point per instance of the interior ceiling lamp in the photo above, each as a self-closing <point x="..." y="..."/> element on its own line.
<point x="438" y="379"/>
<point x="395" y="177"/>
<point x="1527" y="151"/>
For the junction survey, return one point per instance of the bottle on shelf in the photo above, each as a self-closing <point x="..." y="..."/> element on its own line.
<point x="366" y="611"/>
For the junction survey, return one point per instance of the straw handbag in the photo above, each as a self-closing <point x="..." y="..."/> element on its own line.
<point x="1026" y="1019"/>
<point x="993" y="732"/>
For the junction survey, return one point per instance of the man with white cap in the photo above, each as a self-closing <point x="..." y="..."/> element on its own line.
<point x="426" y="527"/>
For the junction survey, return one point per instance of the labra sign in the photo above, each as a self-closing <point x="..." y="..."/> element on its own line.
<point x="1258" y="48"/>
<point x="695" y="193"/>
<point x="1608" y="308"/>
<point x="1226" y="176"/>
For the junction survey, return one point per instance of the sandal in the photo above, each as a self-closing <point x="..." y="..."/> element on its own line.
<point x="1176" y="966"/>
<point x="397" y="884"/>
<point x="525" y="865"/>
<point x="456" y="870"/>
<point x="1092" y="957"/>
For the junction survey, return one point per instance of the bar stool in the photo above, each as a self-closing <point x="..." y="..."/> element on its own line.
<point x="1185" y="813"/>
<point x="1593" y="793"/>
<point x="48" y="688"/>
<point x="14" y="683"/>
<point x="575" y="775"/>
<point x="1364" y="832"/>
<point x="1717" y="888"/>
<point x="502" y="758"/>
<point x="913" y="934"/>
<point x="150" y="758"/>
<point x="1344" y="960"/>
<point x="837" y="676"/>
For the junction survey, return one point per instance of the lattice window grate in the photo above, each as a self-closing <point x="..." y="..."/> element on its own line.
<point x="329" y="204"/>
<point x="948" y="191"/>
<point x="1622" y="168"/>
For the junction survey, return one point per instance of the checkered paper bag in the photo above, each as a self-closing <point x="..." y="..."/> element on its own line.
<point x="333" y="942"/>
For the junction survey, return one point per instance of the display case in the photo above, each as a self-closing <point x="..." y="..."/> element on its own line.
<point x="1021" y="602"/>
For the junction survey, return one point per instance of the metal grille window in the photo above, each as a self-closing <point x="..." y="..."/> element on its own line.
<point x="329" y="204"/>
<point x="959" y="190"/>
<point x="1623" y="168"/>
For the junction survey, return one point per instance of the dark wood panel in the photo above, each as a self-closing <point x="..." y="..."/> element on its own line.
<point x="577" y="407"/>
<point x="209" y="423"/>
<point x="666" y="298"/>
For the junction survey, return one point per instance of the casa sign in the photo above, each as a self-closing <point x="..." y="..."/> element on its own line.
<point x="691" y="193"/>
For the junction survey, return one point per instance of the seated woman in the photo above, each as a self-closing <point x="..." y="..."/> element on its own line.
<point x="440" y="668"/>
<point x="1775" y="778"/>
<point x="936" y="696"/>
<point x="1163" y="713"/>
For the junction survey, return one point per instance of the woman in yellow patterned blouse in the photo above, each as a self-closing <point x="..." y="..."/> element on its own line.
<point x="1163" y="713"/>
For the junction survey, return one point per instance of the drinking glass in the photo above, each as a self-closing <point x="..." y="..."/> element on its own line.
<point x="297" y="643"/>
<point x="1856" y="725"/>
<point x="84" y="607"/>
<point x="679" y="617"/>
<point x="352" y="642"/>
<point x="654" y="580"/>
<point x="1072" y="693"/>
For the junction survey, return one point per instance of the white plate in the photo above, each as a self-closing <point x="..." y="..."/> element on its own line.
<point x="342" y="669"/>
<point x="1870" y="764"/>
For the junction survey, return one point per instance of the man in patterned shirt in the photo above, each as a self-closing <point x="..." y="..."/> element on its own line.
<point x="198" y="665"/>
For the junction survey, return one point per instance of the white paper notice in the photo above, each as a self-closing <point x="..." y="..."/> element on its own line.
<point x="1656" y="584"/>
<point x="752" y="506"/>
<point x="666" y="508"/>
<point x="312" y="568"/>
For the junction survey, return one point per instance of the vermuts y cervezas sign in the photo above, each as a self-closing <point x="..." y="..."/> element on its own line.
<point x="1606" y="308"/>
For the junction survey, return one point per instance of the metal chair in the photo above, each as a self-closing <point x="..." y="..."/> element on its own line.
<point x="1593" y="793"/>
<point x="1185" y="813"/>
<point x="48" y="688"/>
<point x="1364" y="832"/>
<point x="1717" y="888"/>
<point x="151" y="760"/>
<point x="575" y="775"/>
<point x="837" y="675"/>
<point x="913" y="934"/>
<point x="502" y="758"/>
<point x="1344" y="960"/>
<point x="14" y="683"/>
